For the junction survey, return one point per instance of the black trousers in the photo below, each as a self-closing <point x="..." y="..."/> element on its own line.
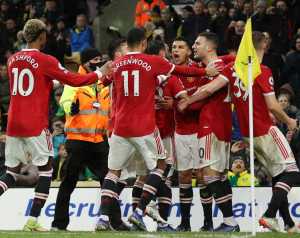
<point x="80" y="154"/>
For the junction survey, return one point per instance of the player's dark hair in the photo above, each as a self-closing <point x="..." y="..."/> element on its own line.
<point x="211" y="37"/>
<point x="135" y="36"/>
<point x="155" y="46"/>
<point x="181" y="38"/>
<point x="257" y="38"/>
<point x="113" y="46"/>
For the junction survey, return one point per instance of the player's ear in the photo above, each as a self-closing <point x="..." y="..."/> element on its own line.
<point x="189" y="52"/>
<point x="144" y="44"/>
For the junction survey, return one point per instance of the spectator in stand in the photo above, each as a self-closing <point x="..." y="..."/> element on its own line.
<point x="6" y="11"/>
<point x="247" y="11"/>
<point x="234" y="34"/>
<point x="29" y="11"/>
<point x="291" y="70"/>
<point x="51" y="12"/>
<point x="59" y="163"/>
<point x="11" y="32"/>
<point x="239" y="5"/>
<point x="232" y="13"/>
<point x="274" y="61"/>
<point x="238" y="174"/>
<point x="219" y="26"/>
<point x="260" y="16"/>
<point x="4" y="96"/>
<point x="171" y="22"/>
<point x="212" y="8"/>
<point x="280" y="26"/>
<point x="196" y="22"/>
<point x="58" y="136"/>
<point x="81" y="35"/>
<point x="62" y="38"/>
<point x="284" y="99"/>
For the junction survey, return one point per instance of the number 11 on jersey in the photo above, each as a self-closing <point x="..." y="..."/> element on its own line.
<point x="136" y="82"/>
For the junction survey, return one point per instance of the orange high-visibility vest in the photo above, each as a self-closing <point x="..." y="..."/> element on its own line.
<point x="142" y="11"/>
<point x="91" y="123"/>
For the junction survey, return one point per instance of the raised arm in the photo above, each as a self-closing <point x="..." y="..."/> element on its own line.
<point x="55" y="71"/>
<point x="277" y="111"/>
<point x="203" y="92"/>
<point x="192" y="71"/>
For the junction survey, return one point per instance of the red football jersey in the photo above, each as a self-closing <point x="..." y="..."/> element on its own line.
<point x="186" y="123"/>
<point x="165" y="118"/>
<point x="263" y="86"/>
<point x="31" y="73"/>
<point x="135" y="81"/>
<point x="215" y="116"/>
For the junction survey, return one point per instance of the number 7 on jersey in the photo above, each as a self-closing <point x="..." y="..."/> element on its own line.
<point x="136" y="82"/>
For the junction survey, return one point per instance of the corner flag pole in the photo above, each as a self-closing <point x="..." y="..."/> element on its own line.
<point x="250" y="83"/>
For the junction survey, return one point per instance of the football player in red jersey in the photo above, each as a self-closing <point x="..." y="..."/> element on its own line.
<point x="270" y="145"/>
<point x="186" y="127"/>
<point x="166" y="94"/>
<point x="214" y="136"/>
<point x="135" y="80"/>
<point x="31" y="73"/>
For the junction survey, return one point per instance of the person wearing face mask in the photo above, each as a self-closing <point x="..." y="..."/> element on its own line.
<point x="86" y="111"/>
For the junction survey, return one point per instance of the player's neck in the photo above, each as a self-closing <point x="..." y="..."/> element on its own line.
<point x="135" y="49"/>
<point x="260" y="55"/>
<point x="209" y="58"/>
<point x="33" y="45"/>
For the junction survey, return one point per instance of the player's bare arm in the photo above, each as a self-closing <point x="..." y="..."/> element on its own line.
<point x="277" y="111"/>
<point x="203" y="92"/>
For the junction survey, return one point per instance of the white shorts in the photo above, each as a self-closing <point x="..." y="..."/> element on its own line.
<point x="214" y="153"/>
<point x="134" y="167"/>
<point x="130" y="169"/>
<point x="150" y="147"/>
<point x="273" y="151"/>
<point x="186" y="150"/>
<point x="169" y="145"/>
<point x="37" y="149"/>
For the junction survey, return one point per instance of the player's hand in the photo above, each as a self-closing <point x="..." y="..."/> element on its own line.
<point x="183" y="104"/>
<point x="74" y="108"/>
<point x="107" y="68"/>
<point x="213" y="69"/>
<point x="165" y="103"/>
<point x="292" y="124"/>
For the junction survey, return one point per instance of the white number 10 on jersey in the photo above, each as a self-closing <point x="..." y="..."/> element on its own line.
<point x="136" y="82"/>
<point x="18" y="84"/>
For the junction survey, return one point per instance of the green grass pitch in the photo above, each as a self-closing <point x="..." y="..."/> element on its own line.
<point x="19" y="234"/>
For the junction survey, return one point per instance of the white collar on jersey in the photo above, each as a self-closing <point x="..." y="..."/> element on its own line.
<point x="29" y="50"/>
<point x="133" y="52"/>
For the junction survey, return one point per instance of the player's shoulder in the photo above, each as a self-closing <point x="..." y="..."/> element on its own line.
<point x="265" y="69"/>
<point x="173" y="79"/>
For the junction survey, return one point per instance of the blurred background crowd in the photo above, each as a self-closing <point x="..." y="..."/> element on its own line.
<point x="73" y="26"/>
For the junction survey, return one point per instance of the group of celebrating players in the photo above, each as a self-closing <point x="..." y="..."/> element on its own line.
<point x="164" y="116"/>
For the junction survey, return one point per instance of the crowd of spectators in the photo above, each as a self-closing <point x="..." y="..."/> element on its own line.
<point x="69" y="32"/>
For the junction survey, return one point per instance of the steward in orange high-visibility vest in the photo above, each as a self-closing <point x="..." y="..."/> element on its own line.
<point x="143" y="9"/>
<point x="91" y="122"/>
<point x="86" y="110"/>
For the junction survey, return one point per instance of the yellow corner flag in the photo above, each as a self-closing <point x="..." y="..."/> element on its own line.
<point x="246" y="50"/>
